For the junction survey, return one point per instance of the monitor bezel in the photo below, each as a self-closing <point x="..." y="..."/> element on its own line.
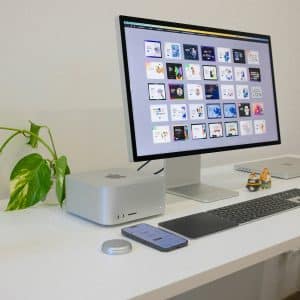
<point x="129" y="109"/>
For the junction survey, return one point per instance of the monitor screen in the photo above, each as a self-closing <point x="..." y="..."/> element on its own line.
<point x="193" y="89"/>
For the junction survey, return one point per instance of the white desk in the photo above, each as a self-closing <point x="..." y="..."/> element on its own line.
<point x="47" y="254"/>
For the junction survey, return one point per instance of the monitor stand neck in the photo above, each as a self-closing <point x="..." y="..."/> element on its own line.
<point x="183" y="179"/>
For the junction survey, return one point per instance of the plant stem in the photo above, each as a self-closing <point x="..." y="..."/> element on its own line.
<point x="50" y="136"/>
<point x="53" y="153"/>
<point x="8" y="140"/>
<point x="42" y="142"/>
<point x="51" y="140"/>
<point x="11" y="129"/>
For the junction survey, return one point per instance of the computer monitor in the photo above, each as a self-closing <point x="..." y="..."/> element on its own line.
<point x="193" y="90"/>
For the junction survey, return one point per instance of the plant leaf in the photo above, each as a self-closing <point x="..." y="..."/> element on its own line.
<point x="30" y="181"/>
<point x="61" y="170"/>
<point x="35" y="129"/>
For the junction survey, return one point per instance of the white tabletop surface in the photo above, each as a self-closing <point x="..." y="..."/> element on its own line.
<point x="46" y="253"/>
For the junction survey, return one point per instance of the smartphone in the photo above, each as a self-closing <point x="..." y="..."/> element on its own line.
<point x="154" y="237"/>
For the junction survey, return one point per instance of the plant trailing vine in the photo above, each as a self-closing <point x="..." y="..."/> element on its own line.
<point x="31" y="178"/>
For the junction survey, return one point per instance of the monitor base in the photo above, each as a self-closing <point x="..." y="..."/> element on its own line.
<point x="202" y="192"/>
<point x="183" y="179"/>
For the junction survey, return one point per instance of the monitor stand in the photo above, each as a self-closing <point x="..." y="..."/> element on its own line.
<point x="183" y="179"/>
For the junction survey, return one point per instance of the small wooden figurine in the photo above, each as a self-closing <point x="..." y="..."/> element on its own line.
<point x="253" y="183"/>
<point x="265" y="178"/>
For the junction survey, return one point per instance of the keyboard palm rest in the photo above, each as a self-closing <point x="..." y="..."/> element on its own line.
<point x="197" y="225"/>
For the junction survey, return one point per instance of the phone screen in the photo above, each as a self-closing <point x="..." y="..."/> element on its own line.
<point x="154" y="237"/>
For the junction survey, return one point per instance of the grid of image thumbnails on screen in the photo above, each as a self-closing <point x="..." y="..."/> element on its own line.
<point x="214" y="97"/>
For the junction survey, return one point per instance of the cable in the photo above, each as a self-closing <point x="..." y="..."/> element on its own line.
<point x="159" y="171"/>
<point x="143" y="165"/>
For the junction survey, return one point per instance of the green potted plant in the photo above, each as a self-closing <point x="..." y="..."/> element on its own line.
<point x="33" y="176"/>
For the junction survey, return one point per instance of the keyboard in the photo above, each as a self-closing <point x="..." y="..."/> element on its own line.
<point x="260" y="207"/>
<point x="204" y="223"/>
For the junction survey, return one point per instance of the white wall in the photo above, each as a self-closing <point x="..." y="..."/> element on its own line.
<point x="294" y="42"/>
<point x="59" y="66"/>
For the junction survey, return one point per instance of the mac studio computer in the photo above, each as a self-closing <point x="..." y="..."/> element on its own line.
<point x="193" y="90"/>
